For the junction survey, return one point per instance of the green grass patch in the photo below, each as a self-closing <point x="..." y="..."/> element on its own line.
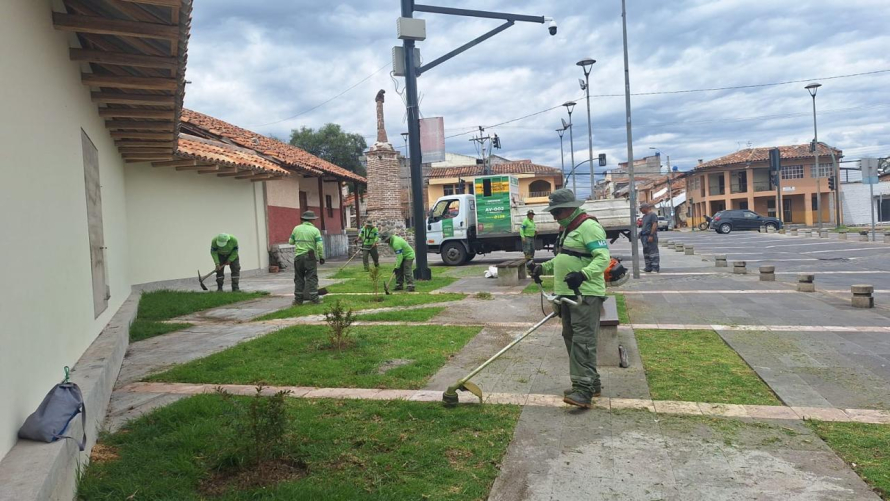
<point x="532" y="288"/>
<point x="298" y="356"/>
<point x="466" y="271"/>
<point x="697" y="366"/>
<point x="358" y="303"/>
<point x="159" y="305"/>
<point x="415" y="315"/>
<point x="356" y="280"/>
<point x="621" y="305"/>
<point x="865" y="447"/>
<point x="354" y="450"/>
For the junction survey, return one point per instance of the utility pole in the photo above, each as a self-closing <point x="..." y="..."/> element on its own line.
<point x="587" y="65"/>
<point x="812" y="89"/>
<point x="562" y="155"/>
<point x="632" y="189"/>
<point x="671" y="191"/>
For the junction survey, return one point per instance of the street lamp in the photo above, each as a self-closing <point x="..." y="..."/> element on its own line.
<point x="570" y="106"/>
<point x="812" y="89"/>
<point x="562" y="155"/>
<point x="405" y="137"/>
<point x="587" y="65"/>
<point x="628" y="125"/>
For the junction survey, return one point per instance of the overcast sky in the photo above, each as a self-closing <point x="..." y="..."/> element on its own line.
<point x="265" y="64"/>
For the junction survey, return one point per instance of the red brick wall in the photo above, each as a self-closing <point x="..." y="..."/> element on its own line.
<point x="283" y="219"/>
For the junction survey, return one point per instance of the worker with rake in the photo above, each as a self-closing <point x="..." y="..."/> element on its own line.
<point x="582" y="257"/>
<point x="308" y="253"/>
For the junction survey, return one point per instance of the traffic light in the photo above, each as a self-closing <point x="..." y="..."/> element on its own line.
<point x="831" y="183"/>
<point x="602" y="159"/>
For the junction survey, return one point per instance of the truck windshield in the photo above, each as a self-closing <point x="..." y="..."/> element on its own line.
<point x="445" y="209"/>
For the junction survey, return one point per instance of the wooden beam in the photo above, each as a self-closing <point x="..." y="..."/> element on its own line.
<point x="163" y="3"/>
<point x="174" y="163"/>
<point x="144" y="144"/>
<point x="136" y="113"/>
<point x="160" y="136"/>
<point x="134" y="125"/>
<point x="246" y="174"/>
<point x="123" y="59"/>
<point x="116" y="27"/>
<point x="236" y="173"/>
<point x="147" y="151"/>
<point x="218" y="170"/>
<point x="144" y="83"/>
<point x="122" y="98"/>
<point x="265" y="178"/>
<point x="140" y="158"/>
<point x="195" y="167"/>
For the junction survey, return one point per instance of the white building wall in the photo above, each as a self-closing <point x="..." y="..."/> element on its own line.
<point x="46" y="309"/>
<point x="857" y="205"/>
<point x="285" y="192"/>
<point x="173" y="215"/>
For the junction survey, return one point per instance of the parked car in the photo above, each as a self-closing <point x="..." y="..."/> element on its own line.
<point x="663" y="223"/>
<point x="727" y="221"/>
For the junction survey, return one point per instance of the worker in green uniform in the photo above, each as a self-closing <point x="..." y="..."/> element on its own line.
<point x="368" y="238"/>
<point x="527" y="233"/>
<point x="404" y="269"/>
<point x="224" y="251"/>
<point x="308" y="250"/>
<point x="583" y="256"/>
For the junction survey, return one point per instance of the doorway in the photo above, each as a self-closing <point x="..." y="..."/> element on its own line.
<point x="786" y="210"/>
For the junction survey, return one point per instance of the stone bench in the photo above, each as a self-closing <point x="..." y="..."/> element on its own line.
<point x="607" y="354"/>
<point x="511" y="272"/>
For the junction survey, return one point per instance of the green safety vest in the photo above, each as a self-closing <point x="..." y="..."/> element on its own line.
<point x="528" y="228"/>
<point x="305" y="238"/>
<point x="230" y="250"/>
<point x="402" y="249"/>
<point x="588" y="239"/>
<point x="368" y="236"/>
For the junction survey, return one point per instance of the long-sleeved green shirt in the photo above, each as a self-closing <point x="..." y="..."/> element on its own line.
<point x="402" y="249"/>
<point x="589" y="238"/>
<point x="230" y="250"/>
<point x="528" y="228"/>
<point x="368" y="236"/>
<point x="305" y="238"/>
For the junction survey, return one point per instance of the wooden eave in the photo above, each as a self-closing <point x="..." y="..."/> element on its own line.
<point x="133" y="56"/>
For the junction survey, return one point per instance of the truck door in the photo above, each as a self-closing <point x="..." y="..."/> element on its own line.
<point x="446" y="221"/>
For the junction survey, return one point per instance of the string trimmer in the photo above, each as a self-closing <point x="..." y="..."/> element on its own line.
<point x="350" y="259"/>
<point x="449" y="397"/>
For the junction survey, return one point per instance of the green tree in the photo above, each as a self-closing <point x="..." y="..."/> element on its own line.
<point x="333" y="144"/>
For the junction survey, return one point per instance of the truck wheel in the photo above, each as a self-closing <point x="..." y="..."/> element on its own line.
<point x="454" y="254"/>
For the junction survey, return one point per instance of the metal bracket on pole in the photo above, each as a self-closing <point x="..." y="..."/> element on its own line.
<point x="433" y="9"/>
<point x="472" y="43"/>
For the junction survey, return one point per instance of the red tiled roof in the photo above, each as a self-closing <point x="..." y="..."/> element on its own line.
<point x="291" y="156"/>
<point x="503" y="168"/>
<point x="752" y="155"/>
<point x="229" y="155"/>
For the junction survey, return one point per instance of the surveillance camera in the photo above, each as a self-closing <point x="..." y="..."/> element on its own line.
<point x="583" y="83"/>
<point x="551" y="25"/>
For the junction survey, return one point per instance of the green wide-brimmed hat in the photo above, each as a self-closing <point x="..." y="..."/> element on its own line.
<point x="368" y="222"/>
<point x="308" y="215"/>
<point x="563" y="199"/>
<point x="384" y="235"/>
<point x="222" y="239"/>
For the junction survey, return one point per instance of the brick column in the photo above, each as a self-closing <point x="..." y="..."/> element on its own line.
<point x="384" y="198"/>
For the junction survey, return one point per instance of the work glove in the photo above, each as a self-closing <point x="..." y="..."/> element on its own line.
<point x="535" y="270"/>
<point x="321" y="261"/>
<point x="575" y="279"/>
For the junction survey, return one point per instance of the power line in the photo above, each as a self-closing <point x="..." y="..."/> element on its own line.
<point x="327" y="101"/>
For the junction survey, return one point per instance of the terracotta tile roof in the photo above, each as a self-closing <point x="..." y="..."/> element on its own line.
<point x="797" y="151"/>
<point x="291" y="156"/>
<point x="523" y="167"/>
<point x="229" y="155"/>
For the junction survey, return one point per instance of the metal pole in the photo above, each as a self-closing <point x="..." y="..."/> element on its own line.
<point x="871" y="201"/>
<point x="632" y="189"/>
<point x="572" y="149"/>
<point x="589" y="134"/>
<point x="839" y="220"/>
<point x="671" y="192"/>
<point x="562" y="157"/>
<point x="816" y="155"/>
<point x="422" y="271"/>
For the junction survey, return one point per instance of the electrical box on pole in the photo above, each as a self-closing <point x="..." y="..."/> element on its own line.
<point x="398" y="60"/>
<point x="410" y="28"/>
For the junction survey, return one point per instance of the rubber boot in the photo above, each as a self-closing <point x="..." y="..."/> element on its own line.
<point x="568" y="391"/>
<point x="236" y="286"/>
<point x="577" y="399"/>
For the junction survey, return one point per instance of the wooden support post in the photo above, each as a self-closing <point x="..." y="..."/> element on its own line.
<point x="321" y="202"/>
<point x="358" y="215"/>
<point x="340" y="202"/>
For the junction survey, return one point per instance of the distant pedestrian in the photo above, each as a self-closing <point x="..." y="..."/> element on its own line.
<point x="527" y="234"/>
<point x="308" y="254"/>
<point x="649" y="237"/>
<point x="404" y="269"/>
<point x="368" y="238"/>
<point x="224" y="251"/>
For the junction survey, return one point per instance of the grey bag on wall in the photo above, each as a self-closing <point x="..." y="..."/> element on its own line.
<point x="51" y="419"/>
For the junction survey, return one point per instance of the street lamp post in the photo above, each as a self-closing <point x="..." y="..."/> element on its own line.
<point x="812" y="89"/>
<point x="562" y="154"/>
<point x="413" y="69"/>
<point x="570" y="106"/>
<point x="587" y="65"/>
<point x="632" y="189"/>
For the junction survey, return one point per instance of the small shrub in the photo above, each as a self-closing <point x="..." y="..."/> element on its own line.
<point x="483" y="295"/>
<point x="374" y="275"/>
<point x="339" y="319"/>
<point x="259" y="429"/>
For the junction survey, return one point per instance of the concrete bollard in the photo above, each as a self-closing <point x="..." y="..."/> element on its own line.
<point x="720" y="260"/>
<point x="739" y="267"/>
<point x="679" y="247"/>
<point x="690" y="250"/>
<point x="762" y="229"/>
<point x="770" y="229"/>
<point x="887" y="237"/>
<point x="863" y="236"/>
<point x="767" y="273"/>
<point x="671" y="245"/>
<point x="794" y="232"/>
<point x="806" y="282"/>
<point x="823" y="233"/>
<point x="665" y="243"/>
<point x="782" y="231"/>
<point x="862" y="296"/>
<point x="842" y="235"/>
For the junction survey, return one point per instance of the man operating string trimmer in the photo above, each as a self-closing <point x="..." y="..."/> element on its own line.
<point x="583" y="256"/>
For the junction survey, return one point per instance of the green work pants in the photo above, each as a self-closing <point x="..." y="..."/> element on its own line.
<point x="405" y="273"/>
<point x="580" y="326"/>
<point x="528" y="247"/>
<point x="372" y="253"/>
<point x="235" y="266"/>
<point x="305" y="277"/>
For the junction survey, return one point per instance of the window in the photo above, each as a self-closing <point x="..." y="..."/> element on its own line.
<point x="454" y="189"/>
<point x="749" y="215"/>
<point x="883" y="211"/>
<point x="792" y="172"/>
<point x="814" y="202"/>
<point x="539" y="188"/>
<point x="825" y="170"/>
<point x="771" y="207"/>
<point x="329" y="205"/>
<point x="743" y="204"/>
<point x="449" y="189"/>
<point x="445" y="209"/>
<point x="739" y="180"/>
